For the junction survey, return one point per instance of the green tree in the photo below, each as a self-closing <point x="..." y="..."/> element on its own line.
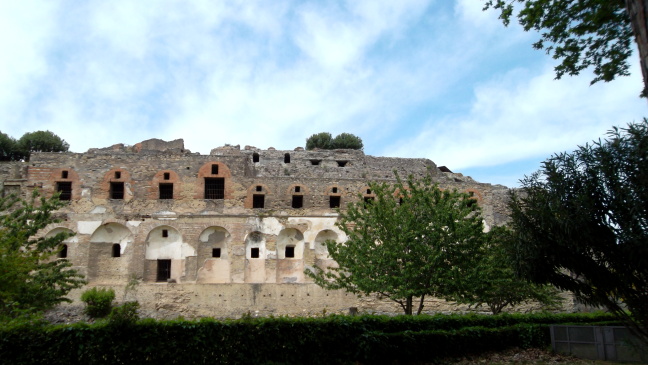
<point x="40" y="141"/>
<point x="347" y="141"/>
<point x="579" y="33"/>
<point x="581" y="224"/>
<point x="7" y="147"/>
<point x="412" y="240"/>
<point x="494" y="283"/>
<point x="31" y="279"/>
<point x="319" y="140"/>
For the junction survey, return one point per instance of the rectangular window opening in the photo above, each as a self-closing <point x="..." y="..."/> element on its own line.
<point x="64" y="174"/>
<point x="258" y="201"/>
<point x="214" y="169"/>
<point x="334" y="202"/>
<point x="334" y="190"/>
<point x="254" y="252"/>
<point x="341" y="163"/>
<point x="117" y="174"/>
<point x="368" y="191"/>
<point x="297" y="189"/>
<point x="297" y="201"/>
<point x="116" y="250"/>
<point x="287" y="158"/>
<point x="116" y="190"/>
<point x="315" y="162"/>
<point x="214" y="188"/>
<point x="166" y="191"/>
<point x="165" y="233"/>
<point x="167" y="176"/>
<point x="368" y="200"/>
<point x="216" y="252"/>
<point x="290" y="251"/>
<point x="255" y="157"/>
<point x="259" y="188"/>
<point x="65" y="188"/>
<point x="163" y="270"/>
<point x="63" y="253"/>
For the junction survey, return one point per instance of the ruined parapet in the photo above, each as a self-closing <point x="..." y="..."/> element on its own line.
<point x="153" y="145"/>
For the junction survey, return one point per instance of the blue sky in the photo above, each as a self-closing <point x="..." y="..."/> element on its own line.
<point x="438" y="79"/>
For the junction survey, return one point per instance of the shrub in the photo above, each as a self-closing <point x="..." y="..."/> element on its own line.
<point x="98" y="302"/>
<point x="124" y="314"/>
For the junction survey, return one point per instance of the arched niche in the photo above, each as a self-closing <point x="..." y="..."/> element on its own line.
<point x="214" y="255"/>
<point x="68" y="244"/>
<point x="168" y="257"/>
<point x="102" y="265"/>
<point x="290" y="254"/>
<point x="321" y="252"/>
<point x="255" y="253"/>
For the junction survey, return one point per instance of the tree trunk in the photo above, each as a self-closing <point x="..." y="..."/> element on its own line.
<point x="420" y="308"/>
<point x="408" y="306"/>
<point x="636" y="10"/>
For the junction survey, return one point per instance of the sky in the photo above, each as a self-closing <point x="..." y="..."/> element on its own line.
<point x="437" y="79"/>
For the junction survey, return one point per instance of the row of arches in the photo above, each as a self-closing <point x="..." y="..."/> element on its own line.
<point x="113" y="255"/>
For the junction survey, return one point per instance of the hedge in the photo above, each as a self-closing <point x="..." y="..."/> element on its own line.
<point x="327" y="340"/>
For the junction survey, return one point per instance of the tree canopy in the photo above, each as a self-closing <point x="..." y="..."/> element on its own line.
<point x="325" y="141"/>
<point x="7" y="147"/>
<point x="31" y="279"/>
<point x="410" y="240"/>
<point x="493" y="281"/>
<point x="39" y="141"/>
<point x="581" y="224"/>
<point x="579" y="33"/>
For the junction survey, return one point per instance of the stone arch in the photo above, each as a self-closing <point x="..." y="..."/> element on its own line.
<point x="167" y="256"/>
<point x="66" y="181"/>
<point x="102" y="266"/>
<point x="113" y="181"/>
<point x="69" y="244"/>
<point x="214" y="171"/>
<point x="290" y="242"/>
<point x="255" y="254"/>
<point x="253" y="192"/>
<point x="214" y="254"/>
<point x="322" y="258"/>
<point x="166" y="184"/>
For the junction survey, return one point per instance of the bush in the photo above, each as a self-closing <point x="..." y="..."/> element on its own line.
<point x="98" y="301"/>
<point x="124" y="314"/>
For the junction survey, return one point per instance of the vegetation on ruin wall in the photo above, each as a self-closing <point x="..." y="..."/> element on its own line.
<point x="39" y="141"/>
<point x="325" y="340"/>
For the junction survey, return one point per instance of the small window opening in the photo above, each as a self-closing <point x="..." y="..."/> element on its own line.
<point x="258" y="201"/>
<point x="259" y="188"/>
<point x="116" y="250"/>
<point x="166" y="191"/>
<point x="400" y="201"/>
<point x="65" y="190"/>
<point x="334" y="190"/>
<point x="297" y="201"/>
<point x="315" y="162"/>
<point x="163" y="270"/>
<point x="334" y="202"/>
<point x="63" y="253"/>
<point x="216" y="252"/>
<point x="116" y="190"/>
<point x="255" y="157"/>
<point x="290" y="251"/>
<point x="368" y="200"/>
<point x="214" y="169"/>
<point x="117" y="174"/>
<point x="214" y="188"/>
<point x="297" y="189"/>
<point x="287" y="158"/>
<point x="64" y="174"/>
<point x="167" y="176"/>
<point x="368" y="191"/>
<point x="254" y="252"/>
<point x="341" y="163"/>
<point x="165" y="233"/>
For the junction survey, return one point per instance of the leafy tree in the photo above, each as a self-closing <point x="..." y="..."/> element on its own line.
<point x="581" y="224"/>
<point x="7" y="147"/>
<point x="30" y="278"/>
<point x="412" y="240"/>
<point x="320" y="140"/>
<point x="494" y="283"/>
<point x="325" y="141"/>
<point x="347" y="141"/>
<point x="579" y="33"/>
<point x="40" y="141"/>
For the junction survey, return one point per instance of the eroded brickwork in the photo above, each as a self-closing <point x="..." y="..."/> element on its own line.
<point x="218" y="234"/>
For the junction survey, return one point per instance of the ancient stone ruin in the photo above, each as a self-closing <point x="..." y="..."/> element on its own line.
<point x="220" y="234"/>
